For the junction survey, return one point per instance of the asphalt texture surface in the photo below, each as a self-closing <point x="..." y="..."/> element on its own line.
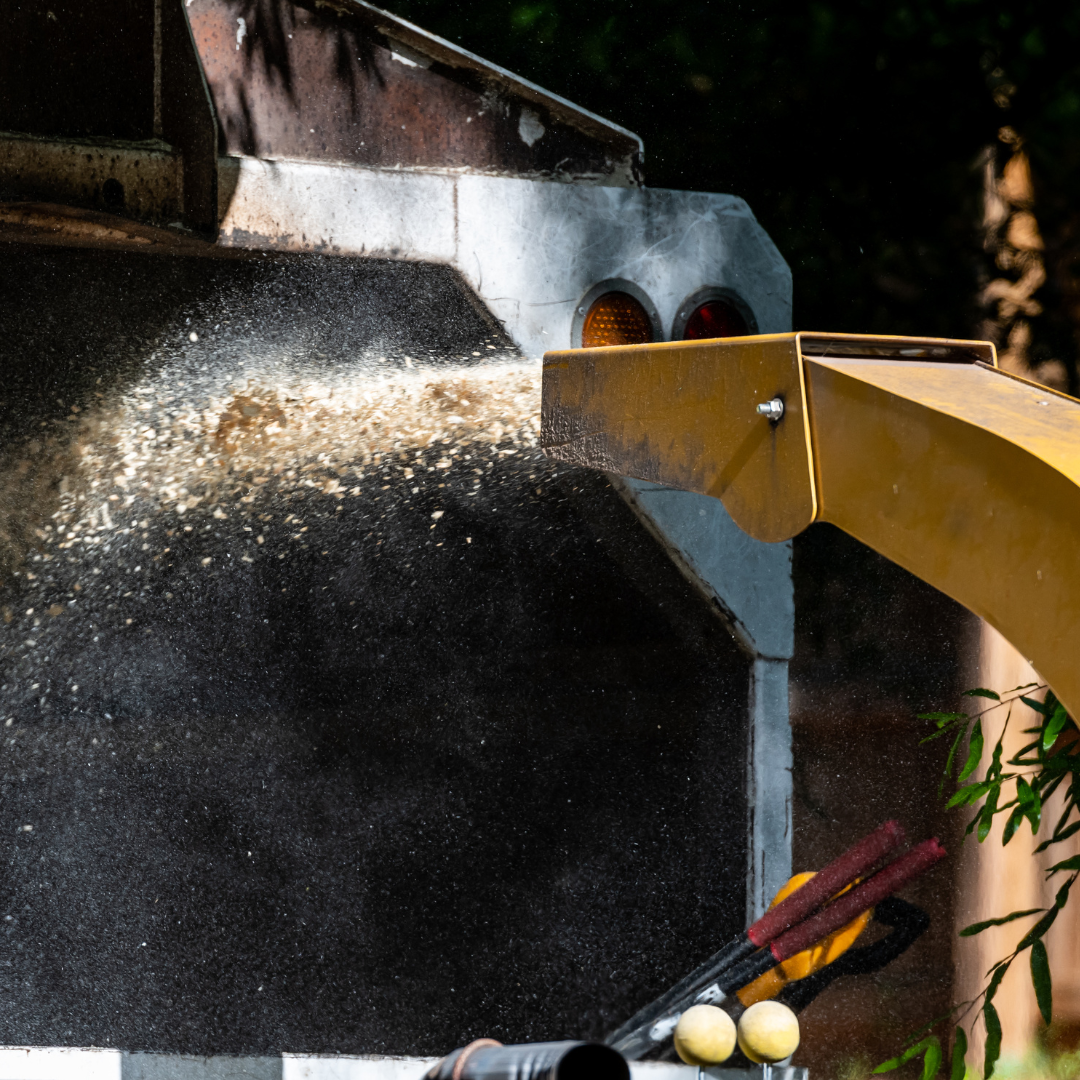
<point x="304" y="767"/>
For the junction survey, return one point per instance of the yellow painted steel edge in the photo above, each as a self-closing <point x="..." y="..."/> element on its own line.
<point x="806" y="428"/>
<point x="1030" y="382"/>
<point x="617" y="409"/>
<point x="900" y="348"/>
<point x="684" y="414"/>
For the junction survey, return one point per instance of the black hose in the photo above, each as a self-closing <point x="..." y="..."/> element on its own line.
<point x="486" y="1059"/>
<point x="908" y="923"/>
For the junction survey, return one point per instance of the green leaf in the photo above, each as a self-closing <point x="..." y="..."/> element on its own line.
<point x="1038" y="929"/>
<point x="1040" y="708"/>
<point x="920" y="1033"/>
<point x="912" y="1051"/>
<point x="993" y="1039"/>
<point x="1068" y="864"/>
<point x="1063" y="893"/>
<point x="1070" y="806"/>
<point x="969" y="793"/>
<point x="1000" y="971"/>
<point x="949" y="760"/>
<point x="975" y="749"/>
<point x="1046" y="790"/>
<point x="981" y="691"/>
<point x="947" y="728"/>
<point x="986" y="819"/>
<point x="959" y="1054"/>
<point x="932" y="1059"/>
<point x="887" y="1066"/>
<point x="1053" y="727"/>
<point x="916" y="1050"/>
<point x="943" y="717"/>
<point x="1030" y="803"/>
<point x="1040" y="979"/>
<point x="979" y="927"/>
<point x="1018" y="757"/>
<point x="1059" y="836"/>
<point x="995" y="762"/>
<point x="1011" y="825"/>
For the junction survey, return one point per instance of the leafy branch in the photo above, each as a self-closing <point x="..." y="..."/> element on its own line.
<point x="1019" y="788"/>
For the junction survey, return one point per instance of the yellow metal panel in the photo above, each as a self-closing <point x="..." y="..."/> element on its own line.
<point x="684" y="414"/>
<point x="969" y="479"/>
<point x="966" y="476"/>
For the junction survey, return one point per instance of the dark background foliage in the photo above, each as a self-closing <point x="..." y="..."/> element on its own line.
<point x="861" y="132"/>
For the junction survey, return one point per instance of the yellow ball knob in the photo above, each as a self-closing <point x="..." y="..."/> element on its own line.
<point x="768" y="1032"/>
<point x="705" y="1035"/>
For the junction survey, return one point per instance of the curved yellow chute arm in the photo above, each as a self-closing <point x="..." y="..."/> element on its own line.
<point x="922" y="449"/>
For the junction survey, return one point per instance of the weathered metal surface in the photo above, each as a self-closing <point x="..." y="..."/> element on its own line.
<point x="188" y="119"/>
<point x="530" y="250"/>
<point x="106" y="109"/>
<point x="96" y="97"/>
<point x="324" y="83"/>
<point x="51" y="225"/>
<point x="887" y="347"/>
<point x="140" y="180"/>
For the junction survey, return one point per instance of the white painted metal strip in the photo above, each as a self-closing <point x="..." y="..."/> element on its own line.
<point x="151" y="1066"/>
<point x="93" y="1063"/>
<point x="326" y="1067"/>
<point x="59" y="1063"/>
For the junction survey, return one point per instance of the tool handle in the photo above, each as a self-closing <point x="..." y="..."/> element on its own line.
<point x="634" y="1037"/>
<point x="641" y="1032"/>
<point x="825" y="884"/>
<point x="843" y="909"/>
<point x="839" y="913"/>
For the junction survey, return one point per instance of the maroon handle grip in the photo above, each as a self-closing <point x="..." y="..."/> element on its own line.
<point x="824" y="885"/>
<point x="842" y="910"/>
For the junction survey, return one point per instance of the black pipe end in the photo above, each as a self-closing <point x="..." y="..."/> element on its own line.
<point x="592" y="1061"/>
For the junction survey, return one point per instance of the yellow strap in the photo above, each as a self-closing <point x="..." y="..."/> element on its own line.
<point x="810" y="960"/>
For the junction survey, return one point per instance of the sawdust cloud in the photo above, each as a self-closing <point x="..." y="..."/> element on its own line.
<point x="93" y="504"/>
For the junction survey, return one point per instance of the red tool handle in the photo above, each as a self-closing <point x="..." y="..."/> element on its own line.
<point x="842" y="910"/>
<point x="825" y="884"/>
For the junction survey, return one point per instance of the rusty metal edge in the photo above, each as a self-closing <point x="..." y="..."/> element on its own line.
<point x="54" y="225"/>
<point x="446" y="52"/>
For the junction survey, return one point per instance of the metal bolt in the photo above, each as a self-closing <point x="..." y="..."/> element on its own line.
<point x="772" y="410"/>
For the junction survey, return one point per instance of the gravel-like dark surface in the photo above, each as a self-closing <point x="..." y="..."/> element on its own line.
<point x="363" y="786"/>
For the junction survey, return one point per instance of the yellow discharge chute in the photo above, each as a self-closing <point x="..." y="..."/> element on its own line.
<point x="810" y="960"/>
<point x="921" y="448"/>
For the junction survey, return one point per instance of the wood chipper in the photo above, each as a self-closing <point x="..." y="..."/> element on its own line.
<point x="922" y="448"/>
<point x="337" y="719"/>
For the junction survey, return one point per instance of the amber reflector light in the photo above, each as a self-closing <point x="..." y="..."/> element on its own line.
<point x="616" y="318"/>
<point x="715" y="319"/>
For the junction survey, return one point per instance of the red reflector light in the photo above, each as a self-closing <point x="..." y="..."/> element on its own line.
<point x="715" y="318"/>
<point x="616" y="318"/>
